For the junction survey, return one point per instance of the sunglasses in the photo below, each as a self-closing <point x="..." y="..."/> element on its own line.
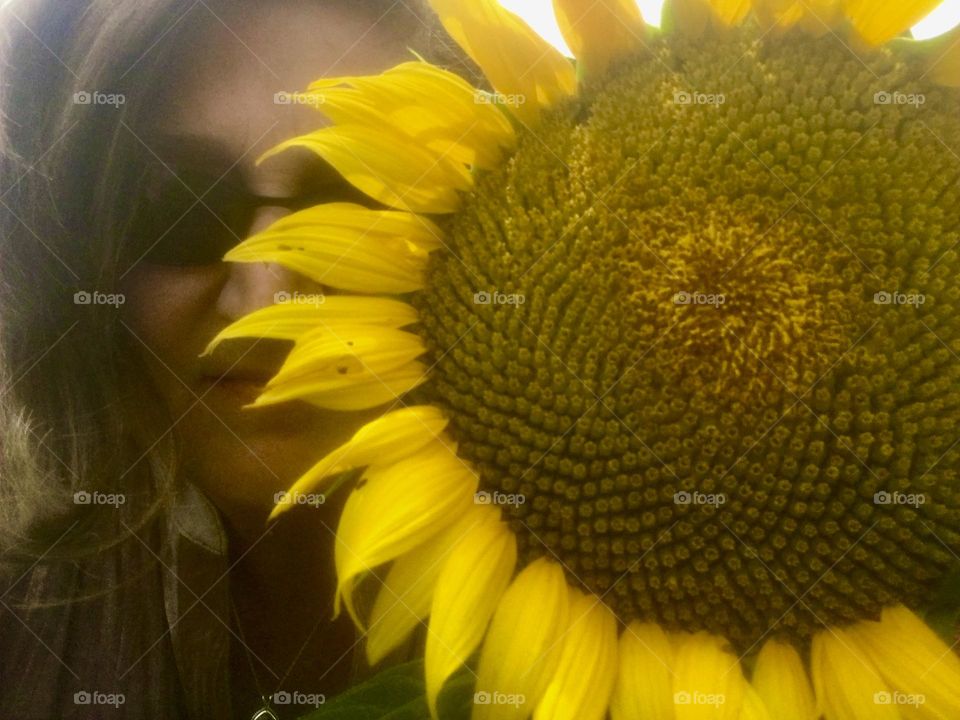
<point x="194" y="218"/>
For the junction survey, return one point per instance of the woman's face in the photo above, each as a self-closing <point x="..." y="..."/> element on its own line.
<point x="217" y="115"/>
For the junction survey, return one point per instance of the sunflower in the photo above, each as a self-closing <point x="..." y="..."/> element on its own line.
<point x="667" y="343"/>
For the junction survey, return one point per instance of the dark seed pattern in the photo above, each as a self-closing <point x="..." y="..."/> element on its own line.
<point x="781" y="386"/>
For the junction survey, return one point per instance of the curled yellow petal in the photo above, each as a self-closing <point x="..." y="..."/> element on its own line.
<point x="780" y="679"/>
<point x="470" y="585"/>
<point x="922" y="671"/>
<point x="363" y="393"/>
<point x="430" y="105"/>
<point x="391" y="437"/>
<point x="644" y="687"/>
<point x="387" y="167"/>
<point x="522" y="649"/>
<point x="342" y="357"/>
<point x="406" y="596"/>
<point x="847" y="684"/>
<point x="599" y="31"/>
<point x="290" y="320"/>
<point x="583" y="683"/>
<point x="527" y="72"/>
<point x="397" y="508"/>
<point x="877" y="21"/>
<point x="347" y="246"/>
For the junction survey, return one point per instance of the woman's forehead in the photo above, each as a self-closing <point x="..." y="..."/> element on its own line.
<point x="228" y="99"/>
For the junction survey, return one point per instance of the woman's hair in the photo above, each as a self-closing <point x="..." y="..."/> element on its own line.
<point x="77" y="414"/>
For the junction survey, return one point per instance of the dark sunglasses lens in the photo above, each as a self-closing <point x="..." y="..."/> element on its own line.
<point x="172" y="227"/>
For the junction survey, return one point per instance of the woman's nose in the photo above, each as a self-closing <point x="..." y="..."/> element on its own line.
<point x="251" y="286"/>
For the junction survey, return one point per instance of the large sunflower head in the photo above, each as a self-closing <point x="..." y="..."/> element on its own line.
<point x="667" y="345"/>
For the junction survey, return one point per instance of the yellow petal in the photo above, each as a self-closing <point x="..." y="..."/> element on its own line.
<point x="470" y="585"/>
<point x="387" y="167"/>
<point x="382" y="442"/>
<point x="291" y="320"/>
<point x="527" y="72"/>
<point x="583" y="683"/>
<point x="877" y="21"/>
<point x="942" y="58"/>
<point x="914" y="662"/>
<point x="399" y="507"/>
<point x="730" y="12"/>
<point x="815" y="17"/>
<point x="406" y="596"/>
<point x="690" y="18"/>
<point x="753" y="707"/>
<point x="644" y="688"/>
<point x="428" y="104"/>
<point x="599" y="31"/>
<point x="363" y="394"/>
<point x="347" y="246"/>
<point x="521" y="652"/>
<point x="781" y="681"/>
<point x="341" y="357"/>
<point x="847" y="684"/>
<point x="708" y="681"/>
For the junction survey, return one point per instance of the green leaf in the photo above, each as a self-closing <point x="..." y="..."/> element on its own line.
<point x="399" y="694"/>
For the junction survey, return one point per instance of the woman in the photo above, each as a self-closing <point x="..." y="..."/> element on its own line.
<point x="139" y="578"/>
